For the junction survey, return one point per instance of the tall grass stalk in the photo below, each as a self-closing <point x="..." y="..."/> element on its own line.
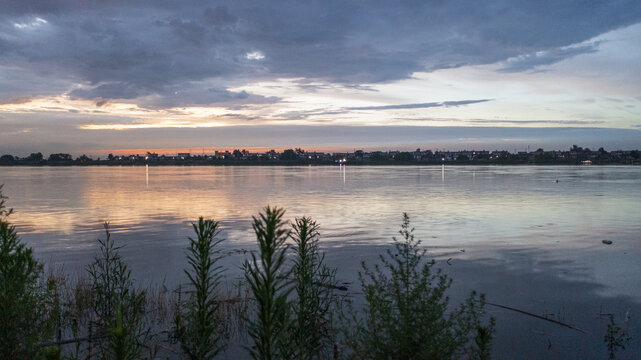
<point x="268" y="280"/>
<point x="406" y="310"/>
<point x="311" y="331"/>
<point x="198" y="326"/>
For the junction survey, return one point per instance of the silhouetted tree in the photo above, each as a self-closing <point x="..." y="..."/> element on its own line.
<point x="289" y="155"/>
<point x="403" y="157"/>
<point x="378" y="156"/>
<point x="35" y="157"/>
<point x="83" y="159"/>
<point x="60" y="157"/>
<point x="6" y="159"/>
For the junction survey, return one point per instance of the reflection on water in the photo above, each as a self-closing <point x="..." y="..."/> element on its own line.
<point x="522" y="227"/>
<point x="484" y="208"/>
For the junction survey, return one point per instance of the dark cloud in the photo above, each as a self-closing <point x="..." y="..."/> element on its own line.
<point x="101" y="102"/>
<point x="197" y="96"/>
<point x="118" y="90"/>
<point x="137" y="49"/>
<point x="16" y="100"/>
<point x="420" y="106"/>
<point x="219" y="17"/>
<point x="310" y="85"/>
<point x="359" y="87"/>
<point x="242" y="117"/>
<point x="306" y="114"/>
<point x="188" y="30"/>
<point x="175" y="96"/>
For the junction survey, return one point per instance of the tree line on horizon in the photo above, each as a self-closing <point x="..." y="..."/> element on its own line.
<point x="574" y="156"/>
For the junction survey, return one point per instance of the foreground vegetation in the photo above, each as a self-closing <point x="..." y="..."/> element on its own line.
<point x="288" y="307"/>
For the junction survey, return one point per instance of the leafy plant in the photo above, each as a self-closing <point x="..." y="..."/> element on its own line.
<point x="406" y="310"/>
<point x="24" y="317"/>
<point x="198" y="327"/>
<point x="267" y="278"/>
<point x="4" y="211"/>
<point x="311" y="330"/>
<point x="483" y="341"/>
<point x="118" y="306"/>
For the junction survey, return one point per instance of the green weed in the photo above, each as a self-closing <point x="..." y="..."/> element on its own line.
<point x="197" y="323"/>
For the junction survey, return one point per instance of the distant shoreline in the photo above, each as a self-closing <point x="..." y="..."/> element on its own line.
<point x="576" y="155"/>
<point x="310" y="164"/>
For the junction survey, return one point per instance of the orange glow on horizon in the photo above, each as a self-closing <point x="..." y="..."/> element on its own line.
<point x="207" y="150"/>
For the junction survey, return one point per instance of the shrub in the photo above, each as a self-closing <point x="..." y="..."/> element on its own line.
<point x="118" y="306"/>
<point x="24" y="316"/>
<point x="198" y="326"/>
<point x="406" y="310"/>
<point x="311" y="329"/>
<point x="268" y="280"/>
<point x="25" y="307"/>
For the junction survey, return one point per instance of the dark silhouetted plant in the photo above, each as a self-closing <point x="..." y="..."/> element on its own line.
<point x="197" y="325"/>
<point x="4" y="211"/>
<point x="267" y="277"/>
<point x="118" y="306"/>
<point x="615" y="338"/>
<point x="24" y="317"/>
<point x="483" y="341"/>
<point x="53" y="353"/>
<point x="406" y="310"/>
<point x="311" y="328"/>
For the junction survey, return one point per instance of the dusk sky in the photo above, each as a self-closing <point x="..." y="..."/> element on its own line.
<point x="101" y="76"/>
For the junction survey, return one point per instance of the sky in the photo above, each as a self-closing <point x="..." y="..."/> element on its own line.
<point x="93" y="77"/>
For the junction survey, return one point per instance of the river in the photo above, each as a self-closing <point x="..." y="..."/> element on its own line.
<point x="529" y="237"/>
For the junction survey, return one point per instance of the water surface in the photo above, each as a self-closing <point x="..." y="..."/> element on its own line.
<point x="529" y="237"/>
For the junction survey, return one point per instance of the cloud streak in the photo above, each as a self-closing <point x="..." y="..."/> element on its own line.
<point x="420" y="105"/>
<point x="482" y="122"/>
<point x="535" y="60"/>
